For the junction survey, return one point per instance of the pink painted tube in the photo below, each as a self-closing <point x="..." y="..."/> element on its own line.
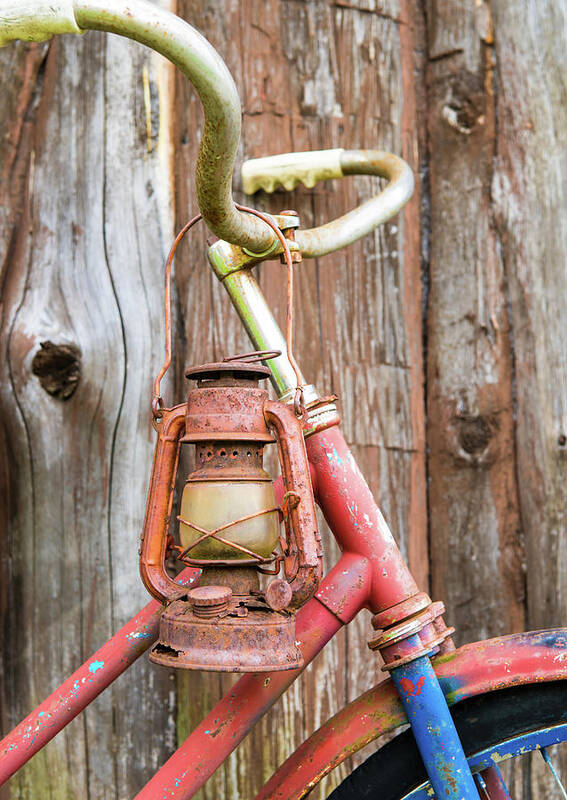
<point x="69" y="699"/>
<point x="234" y="716"/>
<point x="357" y="524"/>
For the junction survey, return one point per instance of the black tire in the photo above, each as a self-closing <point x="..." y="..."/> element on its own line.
<point x="484" y="721"/>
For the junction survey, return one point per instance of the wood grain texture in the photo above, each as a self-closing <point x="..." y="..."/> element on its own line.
<point x="530" y="197"/>
<point x="474" y="513"/>
<point x="83" y="267"/>
<point x="97" y="155"/>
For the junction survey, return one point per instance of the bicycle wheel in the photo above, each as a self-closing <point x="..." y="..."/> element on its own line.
<point x="495" y="726"/>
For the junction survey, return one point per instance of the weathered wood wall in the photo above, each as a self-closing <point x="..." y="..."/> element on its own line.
<point x="441" y="334"/>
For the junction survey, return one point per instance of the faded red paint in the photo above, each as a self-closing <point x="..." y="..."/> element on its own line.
<point x="410" y="689"/>
<point x="69" y="699"/>
<point x="353" y="516"/>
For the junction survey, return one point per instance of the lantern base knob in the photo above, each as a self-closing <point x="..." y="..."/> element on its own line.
<point x="246" y="638"/>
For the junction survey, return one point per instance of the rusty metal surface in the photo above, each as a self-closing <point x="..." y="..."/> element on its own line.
<point x="232" y="635"/>
<point x="417" y="634"/>
<point x="209" y="601"/>
<point x="407" y="608"/>
<point x="157" y="403"/>
<point x="227" y="403"/>
<point x="225" y="420"/>
<point x="233" y="368"/>
<point x="225" y="407"/>
<point x="278" y="594"/>
<point x="304" y="546"/>
<point x="471" y="670"/>
<point x="229" y="461"/>
<point x="170" y="427"/>
<point x="232" y="717"/>
<point x="229" y="418"/>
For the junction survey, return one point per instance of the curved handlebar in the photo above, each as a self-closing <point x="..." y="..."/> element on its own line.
<point x="36" y="20"/>
<point x="308" y="168"/>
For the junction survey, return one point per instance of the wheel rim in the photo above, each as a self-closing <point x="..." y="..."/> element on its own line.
<point x="504" y="751"/>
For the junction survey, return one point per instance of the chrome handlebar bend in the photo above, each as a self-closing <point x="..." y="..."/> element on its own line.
<point x="37" y="20"/>
<point x="175" y="39"/>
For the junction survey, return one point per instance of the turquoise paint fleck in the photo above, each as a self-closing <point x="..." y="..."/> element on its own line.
<point x="338" y="459"/>
<point x="96" y="665"/>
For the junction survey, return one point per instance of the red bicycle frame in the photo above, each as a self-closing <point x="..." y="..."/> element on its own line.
<point x="369" y="574"/>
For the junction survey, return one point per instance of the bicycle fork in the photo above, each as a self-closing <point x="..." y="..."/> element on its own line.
<point x="406" y="649"/>
<point x="434" y="730"/>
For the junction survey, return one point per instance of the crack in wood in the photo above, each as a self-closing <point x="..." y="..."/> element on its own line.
<point x="373" y="11"/>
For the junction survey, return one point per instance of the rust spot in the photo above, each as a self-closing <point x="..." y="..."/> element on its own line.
<point x="58" y="367"/>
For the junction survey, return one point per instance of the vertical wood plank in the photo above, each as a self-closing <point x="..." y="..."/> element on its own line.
<point x="82" y="255"/>
<point x="529" y="192"/>
<point x="476" y="543"/>
<point x="530" y="197"/>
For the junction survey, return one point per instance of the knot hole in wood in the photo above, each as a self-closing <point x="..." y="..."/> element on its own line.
<point x="58" y="367"/>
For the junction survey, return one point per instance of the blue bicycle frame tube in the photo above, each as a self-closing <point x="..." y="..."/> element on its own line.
<point x="434" y="730"/>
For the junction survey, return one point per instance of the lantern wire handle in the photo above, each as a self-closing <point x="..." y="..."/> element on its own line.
<point x="157" y="402"/>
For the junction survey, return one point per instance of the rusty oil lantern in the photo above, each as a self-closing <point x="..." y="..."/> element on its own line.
<point x="230" y="526"/>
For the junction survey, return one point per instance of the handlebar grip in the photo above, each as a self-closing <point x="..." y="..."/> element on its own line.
<point x="35" y="20"/>
<point x="289" y="169"/>
<point x="310" y="167"/>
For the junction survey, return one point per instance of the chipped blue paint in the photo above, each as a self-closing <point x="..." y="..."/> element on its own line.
<point x="96" y="665"/>
<point x="433" y="728"/>
<point x="338" y="459"/>
<point x="169" y="793"/>
<point x="185" y="581"/>
<point x="138" y="635"/>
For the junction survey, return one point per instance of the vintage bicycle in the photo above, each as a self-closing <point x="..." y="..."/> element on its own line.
<point x="262" y="606"/>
